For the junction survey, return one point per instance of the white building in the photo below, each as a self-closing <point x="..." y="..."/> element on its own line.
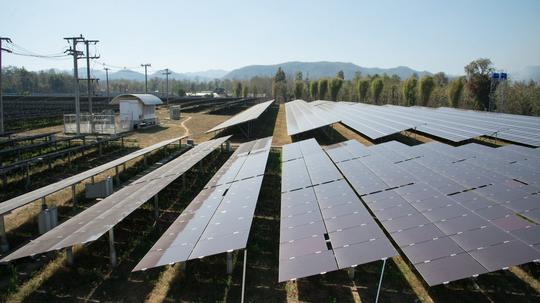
<point x="138" y="108"/>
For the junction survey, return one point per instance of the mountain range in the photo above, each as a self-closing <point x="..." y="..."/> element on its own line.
<point x="316" y="70"/>
<point x="311" y="70"/>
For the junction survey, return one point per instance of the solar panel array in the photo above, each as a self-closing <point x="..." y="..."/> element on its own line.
<point x="219" y="218"/>
<point x="451" y="124"/>
<point x="249" y="114"/>
<point x="302" y="117"/>
<point x="93" y="222"/>
<point x="452" y="211"/>
<point x="9" y="205"/>
<point x="324" y="225"/>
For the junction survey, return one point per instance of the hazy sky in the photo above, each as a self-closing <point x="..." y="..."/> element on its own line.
<point x="433" y="35"/>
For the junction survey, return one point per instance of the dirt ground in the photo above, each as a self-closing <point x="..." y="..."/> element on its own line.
<point x="48" y="278"/>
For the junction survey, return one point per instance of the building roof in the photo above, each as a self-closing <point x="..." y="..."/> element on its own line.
<point x="146" y="99"/>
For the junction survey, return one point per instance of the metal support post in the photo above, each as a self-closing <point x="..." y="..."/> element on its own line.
<point x="4" y="245"/>
<point x="244" y="276"/>
<point x="73" y="194"/>
<point x="350" y="271"/>
<point x="112" y="250"/>
<point x="229" y="263"/>
<point x="380" y="281"/>
<point x="93" y="179"/>
<point x="69" y="255"/>
<point x="156" y="206"/>
<point x="183" y="266"/>
<point x="117" y="175"/>
<point x="145" y="161"/>
<point x="43" y="204"/>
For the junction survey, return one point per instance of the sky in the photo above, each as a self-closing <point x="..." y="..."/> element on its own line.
<point x="432" y="35"/>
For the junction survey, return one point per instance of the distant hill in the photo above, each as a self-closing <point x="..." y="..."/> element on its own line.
<point x="132" y="75"/>
<point x="201" y="76"/>
<point x="316" y="70"/>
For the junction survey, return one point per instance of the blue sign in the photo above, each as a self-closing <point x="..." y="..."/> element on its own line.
<point x="504" y="76"/>
<point x="495" y="75"/>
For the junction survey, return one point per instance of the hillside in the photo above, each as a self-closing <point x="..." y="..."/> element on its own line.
<point x="315" y="70"/>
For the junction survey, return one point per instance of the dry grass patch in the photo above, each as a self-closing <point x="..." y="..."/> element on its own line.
<point x="280" y="130"/>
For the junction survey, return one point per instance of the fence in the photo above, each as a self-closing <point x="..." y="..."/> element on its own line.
<point x="97" y="124"/>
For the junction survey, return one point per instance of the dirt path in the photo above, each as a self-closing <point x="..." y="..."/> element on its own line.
<point x="280" y="130"/>
<point x="186" y="129"/>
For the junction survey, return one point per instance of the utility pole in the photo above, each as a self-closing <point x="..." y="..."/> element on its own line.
<point x="88" y="80"/>
<point x="146" y="76"/>
<point x="1" y="96"/>
<point x="167" y="73"/>
<point x="76" y="55"/>
<point x="107" y="79"/>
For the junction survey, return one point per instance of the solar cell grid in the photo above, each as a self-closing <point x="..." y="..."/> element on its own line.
<point x="327" y="207"/>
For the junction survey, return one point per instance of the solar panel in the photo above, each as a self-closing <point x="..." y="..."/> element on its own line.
<point x="302" y="117"/>
<point x="324" y="221"/>
<point x="9" y="205"/>
<point x="454" y="125"/>
<point x="252" y="113"/>
<point x="219" y="218"/>
<point x="435" y="230"/>
<point x="93" y="222"/>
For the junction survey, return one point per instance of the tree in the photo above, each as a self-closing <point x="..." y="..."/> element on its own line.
<point x="409" y="90"/>
<point x="298" y="86"/>
<point x="323" y="88"/>
<point x="245" y="91"/>
<point x="377" y="86"/>
<point x="334" y="85"/>
<point x="426" y="88"/>
<point x="238" y="89"/>
<point x="362" y="87"/>
<point x="478" y="81"/>
<point x="314" y="89"/>
<point x="279" y="86"/>
<point x="440" y="79"/>
<point x="455" y="90"/>
<point x="340" y="75"/>
<point x="255" y="91"/>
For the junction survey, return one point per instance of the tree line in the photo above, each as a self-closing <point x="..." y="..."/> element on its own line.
<point x="471" y="91"/>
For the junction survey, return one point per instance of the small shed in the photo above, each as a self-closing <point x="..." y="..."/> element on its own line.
<point x="139" y="108"/>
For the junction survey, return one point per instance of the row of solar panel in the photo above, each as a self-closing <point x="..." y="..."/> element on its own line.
<point x="93" y="222"/>
<point x="252" y="113"/>
<point x="219" y="218"/>
<point x="380" y="121"/>
<point x="444" y="210"/>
